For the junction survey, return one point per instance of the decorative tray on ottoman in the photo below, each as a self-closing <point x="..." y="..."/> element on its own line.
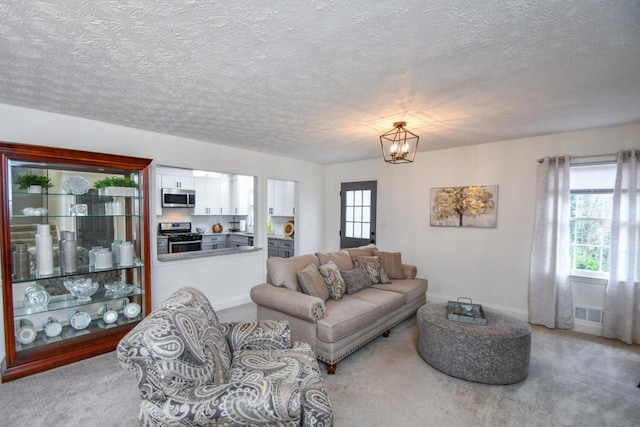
<point x="466" y="312"/>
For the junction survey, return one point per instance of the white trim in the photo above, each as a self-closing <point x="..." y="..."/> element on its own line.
<point x="589" y="276"/>
<point x="584" y="280"/>
<point x="587" y="327"/>
<point x="581" y="326"/>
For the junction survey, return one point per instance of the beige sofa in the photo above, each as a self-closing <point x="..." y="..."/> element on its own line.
<point x="337" y="328"/>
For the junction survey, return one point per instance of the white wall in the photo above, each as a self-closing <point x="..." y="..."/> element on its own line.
<point x="226" y="279"/>
<point x="491" y="266"/>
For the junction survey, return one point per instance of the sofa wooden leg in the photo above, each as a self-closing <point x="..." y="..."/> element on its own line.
<point x="331" y="368"/>
<point x="386" y="333"/>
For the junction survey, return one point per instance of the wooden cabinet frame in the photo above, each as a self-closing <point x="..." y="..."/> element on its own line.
<point x="23" y="363"/>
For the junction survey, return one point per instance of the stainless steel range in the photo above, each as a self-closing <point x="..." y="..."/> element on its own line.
<point x="180" y="237"/>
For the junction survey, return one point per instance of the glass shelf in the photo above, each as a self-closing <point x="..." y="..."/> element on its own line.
<point x="75" y="216"/>
<point x="66" y="301"/>
<point x="49" y="193"/>
<point x="82" y="271"/>
<point x="96" y="327"/>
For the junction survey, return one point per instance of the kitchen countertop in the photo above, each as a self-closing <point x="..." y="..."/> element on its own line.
<point x="207" y="253"/>
<point x="279" y="237"/>
<point x="232" y="233"/>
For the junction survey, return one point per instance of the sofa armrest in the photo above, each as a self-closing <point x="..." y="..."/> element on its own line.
<point x="274" y="401"/>
<point x="410" y="271"/>
<point x="285" y="300"/>
<point x="260" y="335"/>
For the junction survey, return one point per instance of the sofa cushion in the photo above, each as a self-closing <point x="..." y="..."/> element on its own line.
<point x="373" y="266"/>
<point x="411" y="289"/>
<point x="283" y="272"/>
<point x="356" y="280"/>
<point x="345" y="317"/>
<point x="341" y="258"/>
<point x="331" y="275"/>
<point x="312" y="283"/>
<point x="386" y="301"/>
<point x="391" y="264"/>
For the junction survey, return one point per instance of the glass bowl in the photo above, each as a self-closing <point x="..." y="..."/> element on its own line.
<point x="81" y="288"/>
<point x="118" y="289"/>
<point x="36" y="298"/>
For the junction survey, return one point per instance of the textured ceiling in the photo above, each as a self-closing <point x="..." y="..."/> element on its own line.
<point x="320" y="80"/>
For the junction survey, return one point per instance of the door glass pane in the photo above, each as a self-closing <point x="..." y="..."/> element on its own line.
<point x="366" y="214"/>
<point x="365" y="230"/>
<point x="349" y="231"/>
<point x="366" y="198"/>
<point x="349" y="198"/>
<point x="357" y="230"/>
<point x="349" y="213"/>
<point x="357" y="214"/>
<point x="358" y="198"/>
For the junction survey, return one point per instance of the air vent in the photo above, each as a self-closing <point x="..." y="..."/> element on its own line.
<point x="590" y="314"/>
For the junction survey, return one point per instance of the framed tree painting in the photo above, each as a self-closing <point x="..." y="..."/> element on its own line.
<point x="468" y="206"/>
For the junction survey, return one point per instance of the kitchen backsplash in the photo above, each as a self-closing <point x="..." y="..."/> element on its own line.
<point x="206" y="222"/>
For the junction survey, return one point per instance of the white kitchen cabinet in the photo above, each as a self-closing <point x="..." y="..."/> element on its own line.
<point x="224" y="196"/>
<point x="177" y="181"/>
<point x="241" y="195"/>
<point x="289" y="199"/>
<point x="207" y="196"/>
<point x="281" y="197"/>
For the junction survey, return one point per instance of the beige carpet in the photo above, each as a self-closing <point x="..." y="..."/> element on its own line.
<point x="574" y="380"/>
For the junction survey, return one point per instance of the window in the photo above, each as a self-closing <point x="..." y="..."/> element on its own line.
<point x="591" y="210"/>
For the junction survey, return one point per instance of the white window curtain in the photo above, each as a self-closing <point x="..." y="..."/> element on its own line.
<point x="550" y="299"/>
<point x="621" y="316"/>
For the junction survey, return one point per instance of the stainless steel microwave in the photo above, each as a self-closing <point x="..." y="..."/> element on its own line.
<point x="178" y="198"/>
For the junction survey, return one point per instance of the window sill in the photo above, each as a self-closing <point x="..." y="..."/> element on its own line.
<point x="579" y="279"/>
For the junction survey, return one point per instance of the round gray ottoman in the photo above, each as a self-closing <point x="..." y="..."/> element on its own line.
<point x="495" y="353"/>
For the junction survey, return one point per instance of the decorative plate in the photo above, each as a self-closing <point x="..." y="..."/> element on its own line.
<point x="110" y="316"/>
<point x="52" y="328"/>
<point x="76" y="185"/>
<point x="79" y="320"/>
<point x="289" y="228"/>
<point x="26" y="334"/>
<point x="132" y="310"/>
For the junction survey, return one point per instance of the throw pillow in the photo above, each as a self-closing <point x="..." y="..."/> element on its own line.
<point x="312" y="283"/>
<point x="363" y="251"/>
<point x="356" y="280"/>
<point x="331" y="275"/>
<point x="392" y="264"/>
<point x="341" y="258"/>
<point x="374" y="268"/>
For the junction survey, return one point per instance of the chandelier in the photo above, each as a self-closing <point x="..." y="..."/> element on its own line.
<point x="399" y="145"/>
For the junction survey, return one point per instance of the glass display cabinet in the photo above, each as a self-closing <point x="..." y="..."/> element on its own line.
<point x="75" y="254"/>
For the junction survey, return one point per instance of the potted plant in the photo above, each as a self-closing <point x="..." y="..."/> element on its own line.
<point x="116" y="186"/>
<point x="33" y="183"/>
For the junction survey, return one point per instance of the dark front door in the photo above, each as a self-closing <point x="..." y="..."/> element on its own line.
<point x="357" y="213"/>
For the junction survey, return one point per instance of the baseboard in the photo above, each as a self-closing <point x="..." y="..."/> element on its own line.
<point x="581" y="326"/>
<point x="585" y="327"/>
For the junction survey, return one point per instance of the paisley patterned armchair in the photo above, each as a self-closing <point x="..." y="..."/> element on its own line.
<point x="193" y="370"/>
